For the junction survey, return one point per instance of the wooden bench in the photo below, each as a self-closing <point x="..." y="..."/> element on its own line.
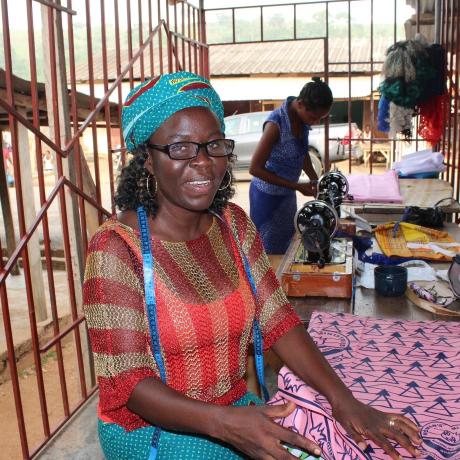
<point x="382" y="148"/>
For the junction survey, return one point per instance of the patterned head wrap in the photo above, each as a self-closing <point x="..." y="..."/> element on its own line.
<point x="151" y="103"/>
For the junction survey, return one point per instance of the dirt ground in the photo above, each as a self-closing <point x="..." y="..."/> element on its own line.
<point x="11" y="444"/>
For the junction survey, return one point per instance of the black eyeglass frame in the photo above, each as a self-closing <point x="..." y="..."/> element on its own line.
<point x="165" y="148"/>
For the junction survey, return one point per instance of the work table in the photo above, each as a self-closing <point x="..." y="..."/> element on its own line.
<point x="367" y="302"/>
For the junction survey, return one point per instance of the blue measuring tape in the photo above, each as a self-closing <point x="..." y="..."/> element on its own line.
<point x="151" y="303"/>
<point x="258" y="339"/>
<point x="152" y="317"/>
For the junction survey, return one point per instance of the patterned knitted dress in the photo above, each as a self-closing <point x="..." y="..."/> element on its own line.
<point x="205" y="313"/>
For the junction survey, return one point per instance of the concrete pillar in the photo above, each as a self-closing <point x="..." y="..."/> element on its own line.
<point x="6" y="212"/>
<point x="33" y="246"/>
<point x="68" y="164"/>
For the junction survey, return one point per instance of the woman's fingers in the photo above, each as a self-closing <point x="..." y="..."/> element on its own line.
<point x="409" y="428"/>
<point x="288" y="436"/>
<point x="279" y="410"/>
<point x="293" y="439"/>
<point x="357" y="437"/>
<point x="403" y="433"/>
<point x="382" y="441"/>
<point x="283" y="454"/>
<point x="399" y="429"/>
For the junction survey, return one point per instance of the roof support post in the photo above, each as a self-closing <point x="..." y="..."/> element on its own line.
<point x="57" y="100"/>
<point x="6" y="213"/>
<point x="35" y="261"/>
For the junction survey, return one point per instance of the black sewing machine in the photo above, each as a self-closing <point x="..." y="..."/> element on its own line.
<point x="317" y="222"/>
<point x="332" y="189"/>
<point x="316" y="263"/>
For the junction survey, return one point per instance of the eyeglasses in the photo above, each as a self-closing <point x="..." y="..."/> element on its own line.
<point x="189" y="150"/>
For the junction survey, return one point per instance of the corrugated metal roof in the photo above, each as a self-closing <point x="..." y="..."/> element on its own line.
<point x="81" y="69"/>
<point x="288" y="57"/>
<point x="266" y="58"/>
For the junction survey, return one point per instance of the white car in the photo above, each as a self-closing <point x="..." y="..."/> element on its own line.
<point x="246" y="129"/>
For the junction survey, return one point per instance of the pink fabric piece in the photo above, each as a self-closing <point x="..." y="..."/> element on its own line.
<point x="379" y="188"/>
<point x="312" y="420"/>
<point x="407" y="367"/>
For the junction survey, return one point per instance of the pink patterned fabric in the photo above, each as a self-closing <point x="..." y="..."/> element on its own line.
<point x="397" y="366"/>
<point x="375" y="188"/>
<point x="313" y="420"/>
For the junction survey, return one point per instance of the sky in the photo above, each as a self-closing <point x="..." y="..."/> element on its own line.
<point x="383" y="9"/>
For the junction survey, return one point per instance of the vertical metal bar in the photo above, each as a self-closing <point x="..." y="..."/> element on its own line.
<point x="3" y="292"/>
<point x="108" y="123"/>
<point x="11" y="357"/>
<point x="77" y="163"/>
<point x="21" y="218"/>
<point x="445" y="18"/>
<point x="74" y="118"/>
<point x="437" y="21"/>
<point x="445" y="121"/>
<point x="160" y="37"/>
<point x="195" y="47"/>
<point x="118" y="72"/>
<point x="295" y="21"/>
<point x="395" y="38"/>
<point x="89" y="44"/>
<point x="183" y="35"/>
<point x="371" y="105"/>
<point x="172" y="39"/>
<point x="46" y="233"/>
<point x="349" y="87"/>
<point x="455" y="82"/>
<point x="130" y="41"/>
<point x="176" y="50"/>
<point x="327" y="163"/>
<point x="417" y="28"/>
<point x="233" y="26"/>
<point x="152" y="62"/>
<point x="141" y="39"/>
<point x="395" y="29"/>
<point x="189" y="31"/>
<point x="62" y="203"/>
<point x="450" y="152"/>
<point x="7" y="216"/>
<point x="261" y="23"/>
<point x="449" y="42"/>
<point x="202" y="39"/>
<point x="326" y="46"/>
<point x="168" y="38"/>
<point x="440" y="41"/>
<point x="417" y="15"/>
<point x="201" y="21"/>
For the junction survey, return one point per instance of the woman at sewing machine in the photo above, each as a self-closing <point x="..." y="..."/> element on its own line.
<point x="280" y="157"/>
<point x="177" y="287"/>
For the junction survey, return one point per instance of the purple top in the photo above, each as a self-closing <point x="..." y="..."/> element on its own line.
<point x="287" y="156"/>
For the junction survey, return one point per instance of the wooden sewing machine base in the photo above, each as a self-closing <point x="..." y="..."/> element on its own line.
<point x="301" y="279"/>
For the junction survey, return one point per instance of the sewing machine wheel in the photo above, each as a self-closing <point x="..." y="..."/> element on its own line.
<point x="333" y="181"/>
<point x="317" y="223"/>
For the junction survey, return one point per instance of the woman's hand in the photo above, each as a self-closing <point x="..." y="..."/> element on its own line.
<point x="307" y="188"/>
<point x="362" y="421"/>
<point x="252" y="430"/>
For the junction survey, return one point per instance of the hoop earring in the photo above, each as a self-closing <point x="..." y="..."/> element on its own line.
<point x="229" y="181"/>
<point x="147" y="185"/>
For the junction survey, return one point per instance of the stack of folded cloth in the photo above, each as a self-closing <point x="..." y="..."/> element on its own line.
<point x="423" y="161"/>
<point x="375" y="188"/>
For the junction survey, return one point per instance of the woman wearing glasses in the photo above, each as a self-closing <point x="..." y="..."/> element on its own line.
<point x="177" y="286"/>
